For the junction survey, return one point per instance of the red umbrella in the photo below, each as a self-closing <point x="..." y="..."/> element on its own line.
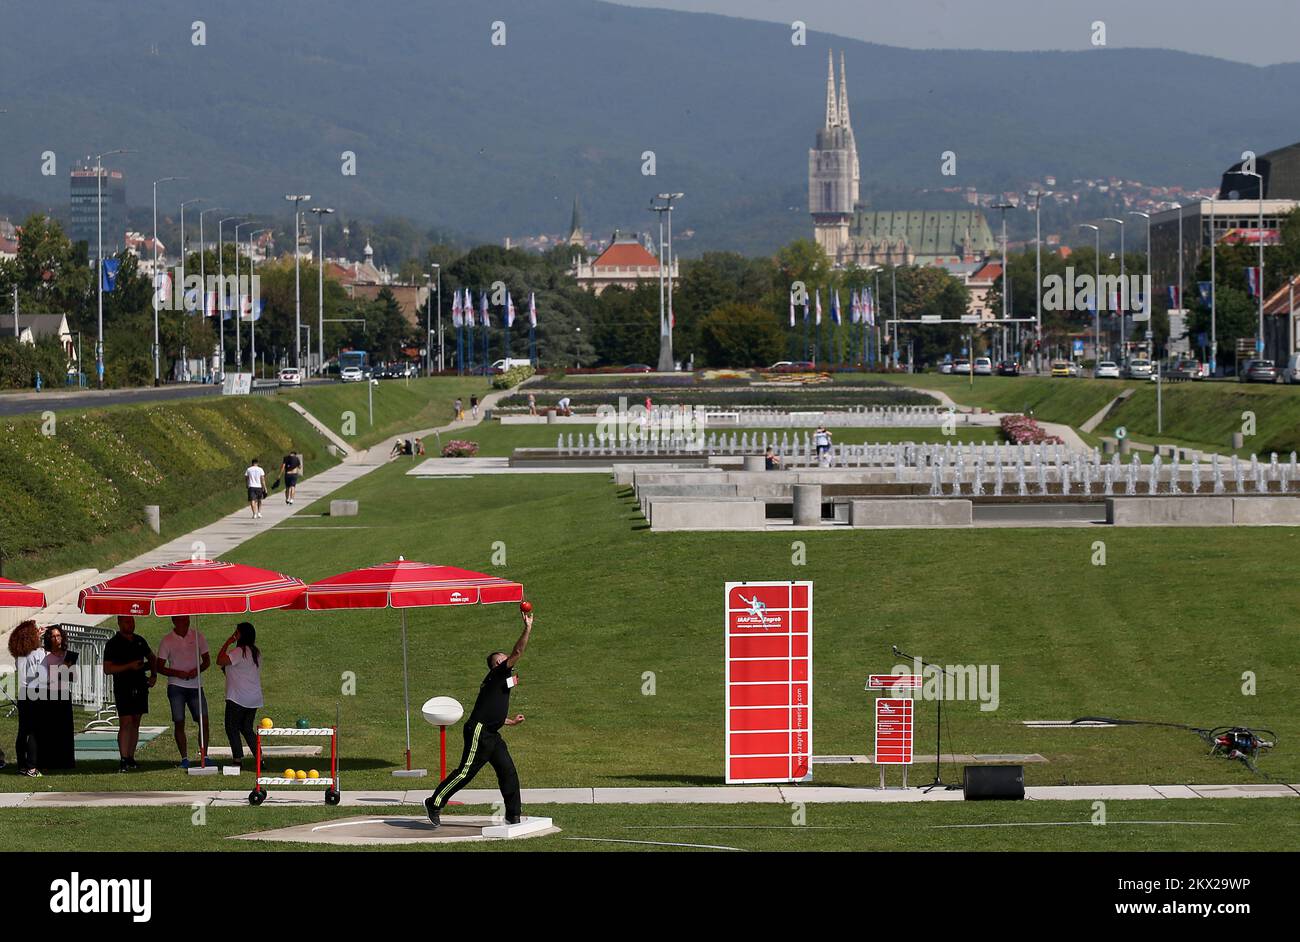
<point x="191" y="587"/>
<point x="16" y="595"/>
<point x="404" y="584"/>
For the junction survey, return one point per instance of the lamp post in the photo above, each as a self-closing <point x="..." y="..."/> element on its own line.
<point x="184" y="293"/>
<point x="252" y="311"/>
<point x="1179" y="207"/>
<point x="1259" y="239"/>
<point x="320" y="212"/>
<point x="99" y="260"/>
<point x="437" y="269"/>
<point x="1214" y="334"/>
<point x="157" y="378"/>
<point x="203" y="260"/>
<point x="1096" y="288"/>
<point x="297" y="280"/>
<point x="1146" y="289"/>
<point x="1123" y="299"/>
<point x="1038" y="277"/>
<point x="221" y="297"/>
<point x="1006" y="272"/>
<point x="239" y="301"/>
<point x="665" y="265"/>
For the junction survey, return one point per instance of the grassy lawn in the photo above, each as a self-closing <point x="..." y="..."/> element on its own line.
<point x="1217" y="824"/>
<point x="497" y="439"/>
<point x="1164" y="631"/>
<point x="399" y="405"/>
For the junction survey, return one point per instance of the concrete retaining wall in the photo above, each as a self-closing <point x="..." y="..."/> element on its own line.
<point x="676" y="514"/>
<point x="906" y="512"/>
<point x="1266" y="511"/>
<point x="1169" y="511"/>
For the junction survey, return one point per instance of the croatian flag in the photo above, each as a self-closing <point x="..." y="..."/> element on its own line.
<point x="818" y="307"/>
<point x="1175" y="298"/>
<point x="246" y="308"/>
<point x="869" y="307"/>
<point x="483" y="309"/>
<point x="510" y="310"/>
<point x="1252" y="281"/>
<point x="532" y="309"/>
<point x="455" y="309"/>
<point x="210" y="304"/>
<point x="835" y="308"/>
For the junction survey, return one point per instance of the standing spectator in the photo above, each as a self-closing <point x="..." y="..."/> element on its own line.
<point x="771" y="460"/>
<point x="182" y="657"/>
<point x="255" y="478"/>
<point x="55" y="739"/>
<point x="473" y="407"/>
<point x="459" y="410"/>
<point x="242" y="664"/>
<point x="130" y="661"/>
<point x="29" y="656"/>
<point x="419" y="446"/>
<point x="290" y="467"/>
<point x="532" y="404"/>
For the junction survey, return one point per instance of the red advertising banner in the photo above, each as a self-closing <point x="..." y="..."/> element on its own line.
<point x="894" y="731"/>
<point x="887" y="681"/>
<point x="768" y="681"/>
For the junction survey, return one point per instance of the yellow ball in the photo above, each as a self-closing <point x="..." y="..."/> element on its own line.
<point x="313" y="774"/>
<point x="302" y="774"/>
<point x="289" y="773"/>
<point x="266" y="723"/>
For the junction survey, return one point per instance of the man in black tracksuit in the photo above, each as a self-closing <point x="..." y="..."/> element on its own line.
<point x="483" y="742"/>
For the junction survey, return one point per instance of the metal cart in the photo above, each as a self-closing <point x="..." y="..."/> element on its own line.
<point x="331" y="782"/>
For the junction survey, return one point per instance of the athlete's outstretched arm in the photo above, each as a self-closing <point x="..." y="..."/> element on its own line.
<point x="522" y="643"/>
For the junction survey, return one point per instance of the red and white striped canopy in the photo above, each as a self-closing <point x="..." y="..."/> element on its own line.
<point x="407" y="584"/>
<point x="191" y="587"/>
<point x="16" y="595"/>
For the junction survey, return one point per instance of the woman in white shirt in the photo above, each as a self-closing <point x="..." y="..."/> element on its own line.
<point x="241" y="660"/>
<point x="29" y="658"/>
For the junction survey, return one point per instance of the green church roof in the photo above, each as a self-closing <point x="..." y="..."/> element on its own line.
<point x="926" y="232"/>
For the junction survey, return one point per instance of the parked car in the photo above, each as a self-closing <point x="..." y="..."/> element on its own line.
<point x="961" y="365"/>
<point x="1258" y="371"/>
<point x="1185" y="369"/>
<point x="291" y="376"/>
<point x="630" y="368"/>
<point x="352" y="374"/>
<point x="983" y="366"/>
<point x="1062" y="368"/>
<point x="1106" y="369"/>
<point x="1291" y="373"/>
<point x="1008" y="368"/>
<point x="1138" y="369"/>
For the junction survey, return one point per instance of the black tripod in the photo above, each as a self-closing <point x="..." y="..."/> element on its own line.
<point x="938" y="725"/>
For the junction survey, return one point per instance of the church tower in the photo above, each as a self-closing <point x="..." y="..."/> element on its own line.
<point x="833" y="170"/>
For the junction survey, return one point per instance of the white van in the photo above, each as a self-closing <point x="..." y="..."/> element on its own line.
<point x="1291" y="372"/>
<point x="509" y="363"/>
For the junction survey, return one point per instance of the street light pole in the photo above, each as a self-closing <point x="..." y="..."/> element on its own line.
<point x="221" y="296"/>
<point x="157" y="380"/>
<point x="252" y="311"/>
<point x="297" y="280"/>
<point x="1146" y="289"/>
<point x="184" y="293"/>
<point x="1259" y="282"/>
<point x="1096" y="288"/>
<point x="1006" y="273"/>
<point x="428" y="326"/>
<point x="666" y="363"/>
<point x="203" y="261"/>
<point x="321" y="212"/>
<point x="99" y="260"/>
<point x="1123" y="289"/>
<point x="1038" y="277"/>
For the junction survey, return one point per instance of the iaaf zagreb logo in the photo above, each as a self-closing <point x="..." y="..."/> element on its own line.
<point x="755" y="615"/>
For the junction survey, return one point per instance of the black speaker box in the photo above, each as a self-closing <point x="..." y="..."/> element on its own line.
<point x="994" y="782"/>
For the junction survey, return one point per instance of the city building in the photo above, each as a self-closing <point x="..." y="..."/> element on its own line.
<point x="852" y="234"/>
<point x="364" y="281"/>
<point x="88" y="188"/>
<point x="34" y="327"/>
<point x="625" y="262"/>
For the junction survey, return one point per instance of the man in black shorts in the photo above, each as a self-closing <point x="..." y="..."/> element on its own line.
<point x="483" y="742"/>
<point x="129" y="660"/>
<point x="290" y="468"/>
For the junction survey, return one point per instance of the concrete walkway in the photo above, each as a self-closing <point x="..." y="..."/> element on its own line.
<point x="714" y="795"/>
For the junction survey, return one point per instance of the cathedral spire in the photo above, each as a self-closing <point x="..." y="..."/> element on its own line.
<point x="832" y="112"/>
<point x="844" y="96"/>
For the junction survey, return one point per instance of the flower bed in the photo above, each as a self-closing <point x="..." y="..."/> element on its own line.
<point x="1022" y="430"/>
<point x="458" y="448"/>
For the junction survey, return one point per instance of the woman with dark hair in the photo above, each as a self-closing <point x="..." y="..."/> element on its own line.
<point x="242" y="664"/>
<point x="29" y="656"/>
<point x="55" y="739"/>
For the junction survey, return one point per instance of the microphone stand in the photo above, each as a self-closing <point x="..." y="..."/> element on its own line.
<point x="938" y="732"/>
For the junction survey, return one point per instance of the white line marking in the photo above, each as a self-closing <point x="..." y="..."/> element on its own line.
<point x="1047" y="824"/>
<point x="615" y="840"/>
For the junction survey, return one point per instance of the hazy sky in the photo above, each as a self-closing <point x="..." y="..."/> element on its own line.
<point x="1261" y="32"/>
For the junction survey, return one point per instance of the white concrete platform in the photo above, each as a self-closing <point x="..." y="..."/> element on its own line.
<point x="526" y="826"/>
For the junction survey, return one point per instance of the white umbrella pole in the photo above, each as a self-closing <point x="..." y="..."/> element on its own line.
<point x="406" y="694"/>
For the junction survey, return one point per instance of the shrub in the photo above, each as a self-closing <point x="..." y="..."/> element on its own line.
<point x="1022" y="430"/>
<point x="458" y="448"/>
<point x="512" y="377"/>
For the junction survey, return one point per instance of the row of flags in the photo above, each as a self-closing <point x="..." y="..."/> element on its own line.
<point x="463" y="314"/>
<point x="862" y="308"/>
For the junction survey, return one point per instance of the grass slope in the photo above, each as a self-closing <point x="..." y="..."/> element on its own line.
<point x="74" y="490"/>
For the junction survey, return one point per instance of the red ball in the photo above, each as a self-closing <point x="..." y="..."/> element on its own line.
<point x="525" y="607"/>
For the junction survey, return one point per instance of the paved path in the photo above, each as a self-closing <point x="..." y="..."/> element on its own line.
<point x="714" y="795"/>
